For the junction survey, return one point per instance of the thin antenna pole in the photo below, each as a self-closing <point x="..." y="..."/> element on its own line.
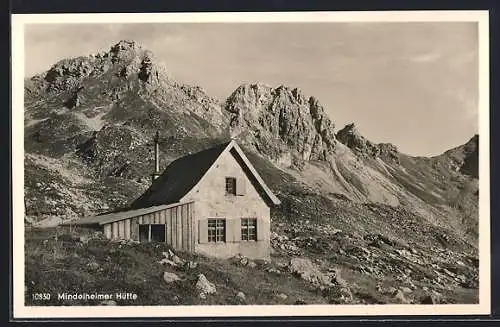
<point x="157" y="153"/>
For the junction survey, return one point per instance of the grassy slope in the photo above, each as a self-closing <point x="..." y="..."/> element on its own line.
<point x="107" y="267"/>
<point x="66" y="265"/>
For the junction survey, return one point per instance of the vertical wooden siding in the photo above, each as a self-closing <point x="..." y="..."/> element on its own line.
<point x="178" y="221"/>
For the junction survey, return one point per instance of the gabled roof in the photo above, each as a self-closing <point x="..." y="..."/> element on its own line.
<point x="183" y="174"/>
<point x="116" y="216"/>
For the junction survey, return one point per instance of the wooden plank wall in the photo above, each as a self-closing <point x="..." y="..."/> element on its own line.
<point x="178" y="221"/>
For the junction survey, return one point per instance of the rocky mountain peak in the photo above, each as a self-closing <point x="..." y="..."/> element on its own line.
<point x="124" y="46"/>
<point x="465" y="158"/>
<point x="350" y="130"/>
<point x="125" y="59"/>
<point x="352" y="138"/>
<point x="280" y="122"/>
<point x="473" y="144"/>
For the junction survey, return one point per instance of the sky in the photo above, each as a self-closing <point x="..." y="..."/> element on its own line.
<point x="411" y="84"/>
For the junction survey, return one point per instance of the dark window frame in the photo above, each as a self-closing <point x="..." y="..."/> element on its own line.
<point x="216" y="230"/>
<point x="150" y="232"/>
<point x="230" y="185"/>
<point x="248" y="229"/>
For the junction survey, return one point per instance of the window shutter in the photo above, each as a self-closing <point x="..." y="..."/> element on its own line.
<point x="230" y="230"/>
<point x="241" y="186"/>
<point x="262" y="229"/>
<point x="203" y="231"/>
<point x="236" y="230"/>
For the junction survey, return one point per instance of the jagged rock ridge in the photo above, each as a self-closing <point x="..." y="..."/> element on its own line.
<point x="281" y="122"/>
<point x="351" y="137"/>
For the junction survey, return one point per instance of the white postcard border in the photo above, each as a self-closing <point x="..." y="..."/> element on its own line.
<point x="22" y="311"/>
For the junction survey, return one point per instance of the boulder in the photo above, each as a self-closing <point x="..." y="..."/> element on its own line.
<point x="400" y="297"/>
<point x="170" y="277"/>
<point x="308" y="271"/>
<point x="204" y="285"/>
<point x="241" y="296"/>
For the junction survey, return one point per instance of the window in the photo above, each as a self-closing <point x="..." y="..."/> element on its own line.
<point x="216" y="230"/>
<point x="249" y="229"/>
<point x="152" y="233"/>
<point x="231" y="185"/>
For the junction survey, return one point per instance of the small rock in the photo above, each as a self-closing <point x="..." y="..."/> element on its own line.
<point x="429" y="299"/>
<point x="449" y="273"/>
<point x="281" y="264"/>
<point x="282" y="296"/>
<point x="84" y="239"/>
<point x="93" y="265"/>
<point x="273" y="271"/>
<point x="252" y="264"/>
<point x="244" y="261"/>
<point x="346" y="295"/>
<point x="336" y="278"/>
<point x="177" y="260"/>
<point x="108" y="302"/>
<point x="241" y="296"/>
<point x="406" y="290"/>
<point x="192" y="265"/>
<point x="391" y="290"/>
<point x="170" y="253"/>
<point x="203" y="296"/>
<point x="170" y="277"/>
<point x="166" y="261"/>
<point x="401" y="297"/>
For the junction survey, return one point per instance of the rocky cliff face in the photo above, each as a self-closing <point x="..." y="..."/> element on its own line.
<point x="281" y="122"/>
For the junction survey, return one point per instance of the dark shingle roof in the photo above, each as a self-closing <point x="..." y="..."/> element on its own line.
<point x="176" y="181"/>
<point x="179" y="178"/>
